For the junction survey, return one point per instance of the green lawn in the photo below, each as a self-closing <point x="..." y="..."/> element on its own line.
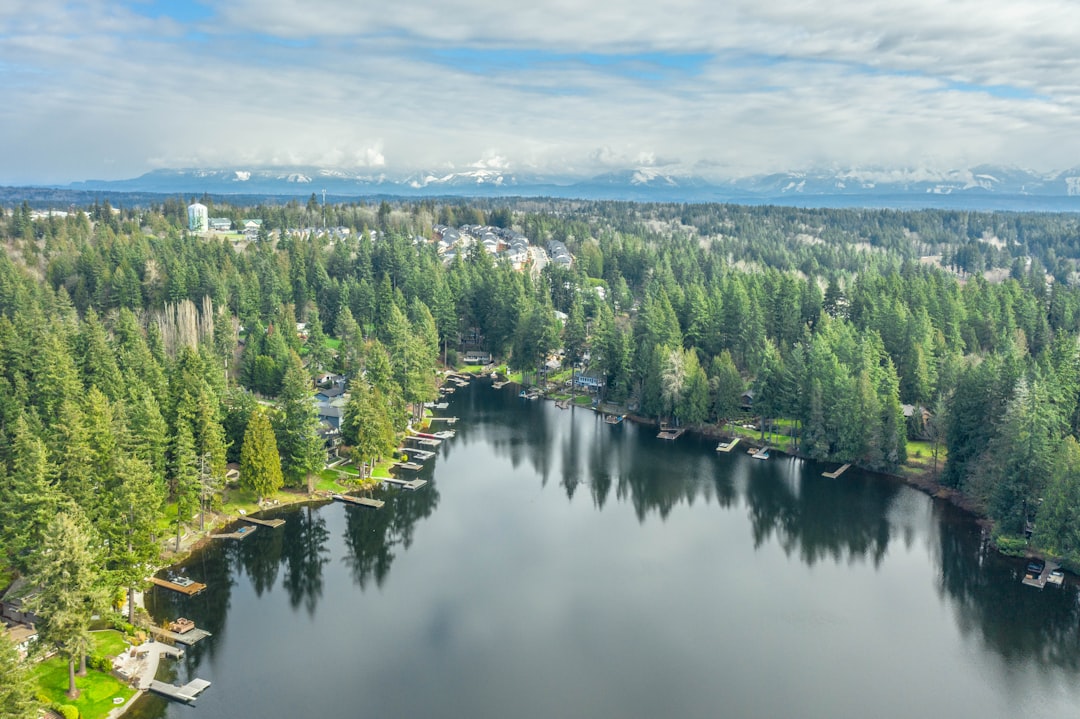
<point x="97" y="688"/>
<point x="583" y="399"/>
<point x="109" y="643"/>
<point x="333" y="343"/>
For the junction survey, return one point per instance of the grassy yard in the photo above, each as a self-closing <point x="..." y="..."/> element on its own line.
<point x="773" y="439"/>
<point x="585" y="399"/>
<point x="920" y="458"/>
<point x="333" y="343"/>
<point x="97" y="688"/>
<point x="109" y="643"/>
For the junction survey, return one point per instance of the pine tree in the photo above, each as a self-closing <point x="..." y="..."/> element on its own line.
<point x="260" y="463"/>
<point x="28" y="501"/>
<point x="65" y="567"/>
<point x="16" y="684"/>
<point x="184" y="476"/>
<point x="297" y="427"/>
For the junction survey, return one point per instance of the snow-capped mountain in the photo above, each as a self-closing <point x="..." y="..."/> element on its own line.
<point x="977" y="187"/>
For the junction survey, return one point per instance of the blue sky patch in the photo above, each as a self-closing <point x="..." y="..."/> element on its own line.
<point x="184" y="11"/>
<point x="643" y="66"/>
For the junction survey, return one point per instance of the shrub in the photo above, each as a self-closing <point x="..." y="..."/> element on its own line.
<point x="98" y="662"/>
<point x="1010" y="545"/>
<point x="68" y="711"/>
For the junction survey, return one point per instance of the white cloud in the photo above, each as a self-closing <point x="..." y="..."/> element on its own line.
<point x="94" y="89"/>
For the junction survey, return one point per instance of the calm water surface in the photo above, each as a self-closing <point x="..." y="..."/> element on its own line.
<point x="557" y="566"/>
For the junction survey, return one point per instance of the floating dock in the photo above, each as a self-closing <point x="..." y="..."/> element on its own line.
<point x="240" y="533"/>
<point x="361" y="501"/>
<point x="186" y="693"/>
<point x="272" y="523"/>
<point x="411" y="466"/>
<point x="1040" y="581"/>
<point x="445" y="434"/>
<point x="671" y="434"/>
<point x="404" y="483"/>
<point x="189" y="637"/>
<point x="614" y="418"/>
<point x="448" y="420"/>
<point x="421" y="454"/>
<point x="762" y="453"/>
<point x="837" y="473"/>
<point x="189" y="589"/>
<point x="426" y="441"/>
<point x="500" y="384"/>
<point x="436" y="405"/>
<point x="722" y="447"/>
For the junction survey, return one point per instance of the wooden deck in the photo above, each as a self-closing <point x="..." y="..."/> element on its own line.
<point x="190" y="589"/>
<point x="500" y="384"/>
<point x="189" y="637"/>
<point x="272" y="523"/>
<point x="411" y="466"/>
<point x="727" y="447"/>
<point x="672" y="434"/>
<point x="1040" y="581"/>
<point x="186" y="693"/>
<point x="412" y="453"/>
<point x="837" y="473"/>
<point x="448" y="420"/>
<point x="404" y="483"/>
<point x="240" y="533"/>
<point x="361" y="501"/>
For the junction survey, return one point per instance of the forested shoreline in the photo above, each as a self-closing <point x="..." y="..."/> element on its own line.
<point x="137" y="358"/>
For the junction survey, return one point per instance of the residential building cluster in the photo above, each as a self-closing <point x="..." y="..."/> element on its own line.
<point x="499" y="241"/>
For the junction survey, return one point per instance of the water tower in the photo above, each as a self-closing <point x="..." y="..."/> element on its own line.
<point x="198" y="217"/>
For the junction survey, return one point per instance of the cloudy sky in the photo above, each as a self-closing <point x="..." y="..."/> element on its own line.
<point x="110" y="89"/>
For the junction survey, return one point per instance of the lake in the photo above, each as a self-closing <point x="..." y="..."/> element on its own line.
<point x="557" y="566"/>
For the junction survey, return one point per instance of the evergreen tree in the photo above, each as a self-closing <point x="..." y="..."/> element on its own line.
<point x="66" y="567"/>
<point x="297" y="428"/>
<point x="16" y="684"/>
<point x="260" y="463"/>
<point x="28" y="501"/>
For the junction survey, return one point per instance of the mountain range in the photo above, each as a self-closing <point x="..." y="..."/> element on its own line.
<point x="982" y="187"/>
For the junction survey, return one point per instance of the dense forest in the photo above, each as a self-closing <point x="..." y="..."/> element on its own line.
<point x="138" y="359"/>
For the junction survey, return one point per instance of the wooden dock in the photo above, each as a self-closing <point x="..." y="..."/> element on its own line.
<point x="189" y="589"/>
<point x="189" y="637"/>
<point x="411" y="466"/>
<point x="672" y="434"/>
<point x="404" y="483"/>
<point x="722" y="447"/>
<point x="448" y="420"/>
<point x="500" y="384"/>
<point x="186" y="693"/>
<point x="446" y="434"/>
<point x="272" y="523"/>
<point x="412" y="453"/>
<point x="837" y="473"/>
<point x="240" y="533"/>
<point x="361" y="501"/>
<point x="1030" y="580"/>
<point x="762" y="453"/>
